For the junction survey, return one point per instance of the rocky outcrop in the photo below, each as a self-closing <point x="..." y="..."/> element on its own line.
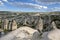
<point x="23" y="33"/>
<point x="44" y="27"/>
<point x="6" y="24"/>
<point x="54" y="34"/>
<point x="14" y="25"/>
<point x="27" y="33"/>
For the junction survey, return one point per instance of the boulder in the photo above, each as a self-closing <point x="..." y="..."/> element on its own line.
<point x="22" y="33"/>
<point x="14" y="25"/>
<point x="51" y="35"/>
<point x="54" y="34"/>
<point x="27" y="33"/>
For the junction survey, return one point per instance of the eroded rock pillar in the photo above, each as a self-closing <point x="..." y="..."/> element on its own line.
<point x="14" y="25"/>
<point x="6" y="24"/>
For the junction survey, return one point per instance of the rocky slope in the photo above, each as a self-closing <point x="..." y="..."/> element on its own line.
<point x="27" y="33"/>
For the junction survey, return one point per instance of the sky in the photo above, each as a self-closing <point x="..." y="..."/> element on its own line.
<point x="30" y="5"/>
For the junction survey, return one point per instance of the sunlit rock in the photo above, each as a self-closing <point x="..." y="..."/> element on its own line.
<point x="54" y="34"/>
<point x="6" y="24"/>
<point x="14" y="25"/>
<point x="40" y="25"/>
<point x="23" y="33"/>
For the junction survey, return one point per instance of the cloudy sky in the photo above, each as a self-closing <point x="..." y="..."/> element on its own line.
<point x="30" y="5"/>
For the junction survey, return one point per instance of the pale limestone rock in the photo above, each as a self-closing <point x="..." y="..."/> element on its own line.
<point x="14" y="25"/>
<point x="6" y="24"/>
<point x="23" y="33"/>
<point x="54" y="34"/>
<point x="2" y="25"/>
<point x="40" y="25"/>
<point x="51" y="35"/>
<point x="54" y="25"/>
<point x="1" y="30"/>
<point x="10" y="25"/>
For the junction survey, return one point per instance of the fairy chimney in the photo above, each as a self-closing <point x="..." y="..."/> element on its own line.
<point x="6" y="24"/>
<point x="14" y="25"/>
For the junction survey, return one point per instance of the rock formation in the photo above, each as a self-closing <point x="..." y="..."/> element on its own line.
<point x="22" y="33"/>
<point x="27" y="33"/>
<point x="6" y="24"/>
<point x="54" y="34"/>
<point x="14" y="25"/>
<point x="10" y="25"/>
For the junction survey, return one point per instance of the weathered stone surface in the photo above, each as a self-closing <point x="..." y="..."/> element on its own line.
<point x="54" y="25"/>
<point x="51" y="35"/>
<point x="57" y="24"/>
<point x="27" y="33"/>
<point x="54" y="34"/>
<point x="40" y="24"/>
<point x="23" y="33"/>
<point x="1" y="30"/>
<point x="6" y="24"/>
<point x="36" y="36"/>
<point x="14" y="25"/>
<point x="27" y="20"/>
<point x="10" y="25"/>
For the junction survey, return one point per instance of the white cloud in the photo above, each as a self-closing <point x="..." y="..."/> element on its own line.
<point x="29" y="5"/>
<point x="1" y="3"/>
<point x="45" y="7"/>
<point x="5" y="0"/>
<point x="47" y="2"/>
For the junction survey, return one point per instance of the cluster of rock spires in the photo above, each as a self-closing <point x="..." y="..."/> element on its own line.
<point x="22" y="20"/>
<point x="27" y="33"/>
<point x="8" y="25"/>
<point x="27" y="27"/>
<point x="33" y="21"/>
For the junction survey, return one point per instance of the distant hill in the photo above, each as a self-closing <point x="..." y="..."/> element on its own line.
<point x="9" y="13"/>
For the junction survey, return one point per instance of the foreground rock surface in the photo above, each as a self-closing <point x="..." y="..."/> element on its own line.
<point x="23" y="33"/>
<point x="51" y="35"/>
<point x="27" y="33"/>
<point x="54" y="34"/>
